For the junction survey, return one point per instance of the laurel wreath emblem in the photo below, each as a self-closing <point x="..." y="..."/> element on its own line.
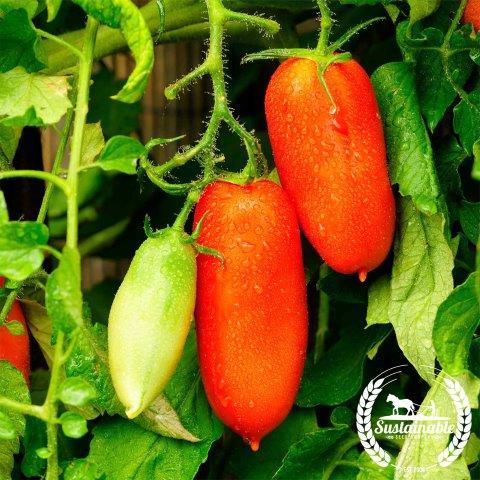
<point x="364" y="423"/>
<point x="380" y="456"/>
<point x="464" y="423"/>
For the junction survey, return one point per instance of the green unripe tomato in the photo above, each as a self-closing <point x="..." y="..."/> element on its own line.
<point x="150" y="319"/>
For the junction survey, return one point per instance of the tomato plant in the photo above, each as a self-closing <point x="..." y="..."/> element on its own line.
<point x="340" y="138"/>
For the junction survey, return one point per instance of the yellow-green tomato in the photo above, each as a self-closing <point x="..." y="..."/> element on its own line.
<point x="150" y="319"/>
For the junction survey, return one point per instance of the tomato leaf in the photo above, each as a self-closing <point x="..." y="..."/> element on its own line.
<point x="13" y="386"/>
<point x="73" y="424"/>
<point x="337" y="376"/>
<point x="262" y="465"/>
<point x="19" y="43"/>
<point x="92" y="143"/>
<point x="314" y="454"/>
<point x="421" y="281"/>
<point x="125" y="15"/>
<point x="32" y="99"/>
<point x="435" y="90"/>
<point x="63" y="297"/>
<point x="466" y="120"/>
<point x="427" y="447"/>
<point x="76" y="391"/>
<point x="30" y="6"/>
<point x="53" y="6"/>
<point x="20" y="248"/>
<point x="457" y="319"/>
<point x="9" y="138"/>
<point x="141" y="454"/>
<point x="121" y="153"/>
<point x="469" y="216"/>
<point x="422" y="8"/>
<point x="410" y="152"/>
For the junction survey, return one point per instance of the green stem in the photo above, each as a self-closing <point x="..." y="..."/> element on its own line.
<point x="7" y="306"/>
<point x="323" y="316"/>
<point x="183" y="21"/>
<point x="455" y="21"/>
<point x="60" y="42"/>
<point x="37" y="174"/>
<point x="51" y="409"/>
<point x="325" y="27"/>
<point x="42" y="214"/>
<point x="192" y="198"/>
<point x="23" y="408"/>
<point x="81" y="110"/>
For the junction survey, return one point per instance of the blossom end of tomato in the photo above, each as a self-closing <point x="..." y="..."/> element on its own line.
<point x="362" y="275"/>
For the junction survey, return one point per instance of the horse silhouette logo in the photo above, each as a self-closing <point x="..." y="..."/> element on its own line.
<point x="399" y="403"/>
<point x="409" y="409"/>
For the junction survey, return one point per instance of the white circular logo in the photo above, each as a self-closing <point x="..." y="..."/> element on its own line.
<point x="410" y="418"/>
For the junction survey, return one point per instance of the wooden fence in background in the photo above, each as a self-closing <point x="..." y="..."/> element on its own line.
<point x="159" y="118"/>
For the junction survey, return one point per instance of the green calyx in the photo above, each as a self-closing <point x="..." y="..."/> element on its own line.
<point x="323" y="55"/>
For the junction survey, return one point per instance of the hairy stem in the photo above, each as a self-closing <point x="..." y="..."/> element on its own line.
<point x="51" y="410"/>
<point x="81" y="110"/>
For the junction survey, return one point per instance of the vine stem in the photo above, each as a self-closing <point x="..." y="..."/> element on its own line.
<point x="325" y="27"/>
<point x="323" y="316"/>
<point x="42" y="214"/>
<point x="37" y="174"/>
<point x="51" y="409"/>
<point x="81" y="110"/>
<point x="218" y="16"/>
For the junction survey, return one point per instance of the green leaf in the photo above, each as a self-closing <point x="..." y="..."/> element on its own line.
<point x="53" y="6"/>
<point x="13" y="386"/>
<point x="89" y="360"/>
<point x="448" y="158"/>
<point x="32" y="99"/>
<point x="476" y="161"/>
<point x="92" y="143"/>
<point x="422" y="8"/>
<point x="371" y="471"/>
<point x="466" y="120"/>
<point x="457" y="319"/>
<point x="63" y="297"/>
<point x="9" y="138"/>
<point x="421" y="281"/>
<point x="40" y="327"/>
<point x="20" y="255"/>
<point x="73" y="425"/>
<point x="76" y="391"/>
<point x="422" y="450"/>
<point x="8" y="5"/>
<point x="15" y="327"/>
<point x="316" y="454"/>
<point x="434" y="89"/>
<point x="141" y="454"/>
<point x="7" y="428"/>
<point x="35" y="436"/>
<point x="378" y="301"/>
<point x="3" y="209"/>
<point x="410" y="153"/>
<point x="81" y="470"/>
<point x="19" y="43"/>
<point x="337" y="376"/>
<point x="121" y="153"/>
<point x="125" y="15"/>
<point x="262" y="465"/>
<point x="469" y="216"/>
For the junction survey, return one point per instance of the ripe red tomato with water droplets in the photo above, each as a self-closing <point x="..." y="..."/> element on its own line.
<point x="15" y="349"/>
<point x="331" y="160"/>
<point x="251" y="312"/>
<point x="471" y="14"/>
